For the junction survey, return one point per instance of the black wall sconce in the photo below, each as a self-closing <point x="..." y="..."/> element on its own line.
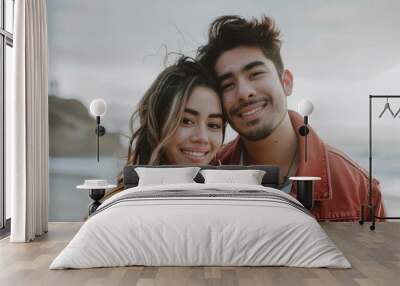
<point x="305" y="108"/>
<point x="98" y="108"/>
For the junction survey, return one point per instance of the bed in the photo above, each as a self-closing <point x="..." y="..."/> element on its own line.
<point x="201" y="223"/>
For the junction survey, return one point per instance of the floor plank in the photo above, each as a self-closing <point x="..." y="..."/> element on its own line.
<point x="374" y="255"/>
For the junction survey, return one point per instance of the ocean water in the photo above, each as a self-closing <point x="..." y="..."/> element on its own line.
<point x="66" y="203"/>
<point x="386" y="169"/>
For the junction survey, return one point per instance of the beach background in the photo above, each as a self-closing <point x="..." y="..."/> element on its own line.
<point x="340" y="52"/>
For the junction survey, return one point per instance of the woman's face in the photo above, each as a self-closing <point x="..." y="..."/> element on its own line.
<point x="200" y="133"/>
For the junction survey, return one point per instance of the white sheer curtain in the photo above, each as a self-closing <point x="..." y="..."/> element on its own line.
<point x="27" y="123"/>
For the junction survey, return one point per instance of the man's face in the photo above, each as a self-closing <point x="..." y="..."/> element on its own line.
<point x="254" y="97"/>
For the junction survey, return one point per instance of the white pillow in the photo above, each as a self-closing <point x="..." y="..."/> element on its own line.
<point x="249" y="177"/>
<point x="162" y="176"/>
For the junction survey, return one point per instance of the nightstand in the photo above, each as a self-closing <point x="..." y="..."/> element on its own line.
<point x="305" y="190"/>
<point x="97" y="189"/>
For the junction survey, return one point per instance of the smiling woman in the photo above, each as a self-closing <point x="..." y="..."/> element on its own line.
<point x="180" y="119"/>
<point x="200" y="132"/>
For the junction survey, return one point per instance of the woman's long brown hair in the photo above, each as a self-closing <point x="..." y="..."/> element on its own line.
<point x="160" y="112"/>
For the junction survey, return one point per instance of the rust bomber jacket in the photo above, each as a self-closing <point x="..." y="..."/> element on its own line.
<point x="343" y="187"/>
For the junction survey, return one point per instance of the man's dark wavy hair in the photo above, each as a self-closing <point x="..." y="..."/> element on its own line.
<point x="229" y="32"/>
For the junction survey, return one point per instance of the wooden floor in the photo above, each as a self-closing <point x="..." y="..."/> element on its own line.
<point x="374" y="255"/>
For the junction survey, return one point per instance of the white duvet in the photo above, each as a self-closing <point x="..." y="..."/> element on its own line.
<point x="183" y="231"/>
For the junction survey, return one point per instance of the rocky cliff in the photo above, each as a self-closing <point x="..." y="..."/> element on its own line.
<point x="72" y="131"/>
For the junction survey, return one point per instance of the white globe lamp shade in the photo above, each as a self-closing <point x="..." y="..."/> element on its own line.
<point x="98" y="107"/>
<point x="305" y="107"/>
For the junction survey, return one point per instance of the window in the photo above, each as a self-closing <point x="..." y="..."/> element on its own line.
<point x="6" y="44"/>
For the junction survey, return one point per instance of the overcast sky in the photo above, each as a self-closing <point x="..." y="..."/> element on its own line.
<point x="339" y="52"/>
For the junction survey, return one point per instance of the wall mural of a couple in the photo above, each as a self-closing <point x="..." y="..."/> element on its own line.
<point x="225" y="98"/>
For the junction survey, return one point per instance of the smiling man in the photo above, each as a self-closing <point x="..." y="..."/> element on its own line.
<point x="244" y="55"/>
